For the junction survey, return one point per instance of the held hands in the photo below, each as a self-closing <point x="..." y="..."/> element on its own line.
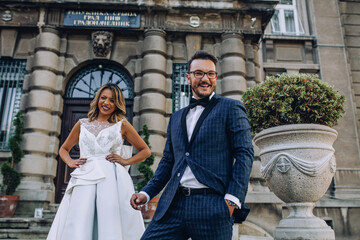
<point x="76" y="163"/>
<point x="114" y="158"/>
<point x="137" y="199"/>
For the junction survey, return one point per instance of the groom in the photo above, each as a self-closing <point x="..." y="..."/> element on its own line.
<point x="206" y="164"/>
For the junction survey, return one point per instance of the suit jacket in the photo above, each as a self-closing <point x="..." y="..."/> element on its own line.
<point x="220" y="154"/>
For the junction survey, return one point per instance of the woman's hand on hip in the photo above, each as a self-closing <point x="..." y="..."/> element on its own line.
<point x="114" y="158"/>
<point x="76" y="163"/>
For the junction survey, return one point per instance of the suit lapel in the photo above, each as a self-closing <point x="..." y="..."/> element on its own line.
<point x="183" y="125"/>
<point x="214" y="100"/>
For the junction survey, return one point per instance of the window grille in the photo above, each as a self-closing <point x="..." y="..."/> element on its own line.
<point x="286" y="19"/>
<point x="87" y="82"/>
<point x="12" y="73"/>
<point x="181" y="89"/>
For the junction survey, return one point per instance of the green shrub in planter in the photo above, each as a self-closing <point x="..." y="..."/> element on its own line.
<point x="11" y="176"/>
<point x="292" y="99"/>
<point x="144" y="166"/>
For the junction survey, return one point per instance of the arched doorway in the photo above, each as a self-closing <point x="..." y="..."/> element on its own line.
<point x="81" y="89"/>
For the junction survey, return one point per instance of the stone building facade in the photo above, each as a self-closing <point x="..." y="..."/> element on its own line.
<point x="67" y="49"/>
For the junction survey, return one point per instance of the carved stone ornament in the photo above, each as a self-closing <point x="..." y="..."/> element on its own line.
<point x="101" y="43"/>
<point x="283" y="164"/>
<point x="311" y="168"/>
<point x="194" y="21"/>
<point x="6" y="15"/>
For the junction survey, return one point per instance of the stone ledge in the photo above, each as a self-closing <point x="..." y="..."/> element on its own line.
<point x="262" y="197"/>
<point x="330" y="202"/>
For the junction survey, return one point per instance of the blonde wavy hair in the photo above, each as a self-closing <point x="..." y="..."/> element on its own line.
<point x="120" y="110"/>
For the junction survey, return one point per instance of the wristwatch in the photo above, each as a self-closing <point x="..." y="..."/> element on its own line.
<point x="231" y="203"/>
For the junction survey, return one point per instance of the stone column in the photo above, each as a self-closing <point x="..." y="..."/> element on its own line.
<point x="150" y="101"/>
<point x="232" y="65"/>
<point x="257" y="64"/>
<point x="42" y="107"/>
<point x="250" y="64"/>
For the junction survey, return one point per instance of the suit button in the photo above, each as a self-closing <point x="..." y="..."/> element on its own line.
<point x="187" y="154"/>
<point x="178" y="174"/>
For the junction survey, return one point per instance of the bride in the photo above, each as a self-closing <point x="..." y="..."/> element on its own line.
<point x="96" y="204"/>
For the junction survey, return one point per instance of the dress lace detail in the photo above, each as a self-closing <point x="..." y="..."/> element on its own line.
<point x="95" y="127"/>
<point x="98" y="137"/>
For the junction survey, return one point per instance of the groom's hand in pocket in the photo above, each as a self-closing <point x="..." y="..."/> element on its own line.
<point x="138" y="199"/>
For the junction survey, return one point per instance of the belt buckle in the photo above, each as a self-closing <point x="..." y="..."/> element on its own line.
<point x="186" y="192"/>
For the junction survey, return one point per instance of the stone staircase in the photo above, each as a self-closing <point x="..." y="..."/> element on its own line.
<point x="37" y="229"/>
<point x="24" y="228"/>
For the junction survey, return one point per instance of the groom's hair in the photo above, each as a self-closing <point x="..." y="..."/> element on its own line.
<point x="202" y="55"/>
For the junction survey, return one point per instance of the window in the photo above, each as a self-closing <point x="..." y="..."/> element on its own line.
<point x="274" y="71"/>
<point x="87" y="82"/>
<point x="286" y="19"/>
<point x="181" y="89"/>
<point x="12" y="73"/>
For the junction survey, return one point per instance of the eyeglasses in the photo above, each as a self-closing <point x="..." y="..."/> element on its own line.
<point x="200" y="74"/>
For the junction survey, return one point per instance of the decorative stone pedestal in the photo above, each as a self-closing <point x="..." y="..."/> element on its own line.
<point x="298" y="164"/>
<point x="302" y="224"/>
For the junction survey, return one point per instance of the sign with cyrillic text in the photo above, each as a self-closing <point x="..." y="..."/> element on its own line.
<point x="102" y="19"/>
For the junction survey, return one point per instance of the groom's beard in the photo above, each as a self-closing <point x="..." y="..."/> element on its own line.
<point x="202" y="94"/>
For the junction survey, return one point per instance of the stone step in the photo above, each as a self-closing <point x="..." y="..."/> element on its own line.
<point x="248" y="237"/>
<point x="24" y="228"/>
<point x="25" y="223"/>
<point x="37" y="229"/>
<point x="23" y="233"/>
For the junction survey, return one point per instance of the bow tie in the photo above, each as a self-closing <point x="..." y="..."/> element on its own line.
<point x="203" y="102"/>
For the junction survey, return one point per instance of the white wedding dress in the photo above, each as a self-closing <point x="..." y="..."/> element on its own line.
<point x="96" y="203"/>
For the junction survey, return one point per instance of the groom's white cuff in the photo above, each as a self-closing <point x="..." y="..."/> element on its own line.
<point x="147" y="196"/>
<point x="233" y="199"/>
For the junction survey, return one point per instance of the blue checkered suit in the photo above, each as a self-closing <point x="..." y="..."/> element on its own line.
<point x="221" y="134"/>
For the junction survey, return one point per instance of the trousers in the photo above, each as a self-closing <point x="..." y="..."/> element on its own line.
<point x="200" y="216"/>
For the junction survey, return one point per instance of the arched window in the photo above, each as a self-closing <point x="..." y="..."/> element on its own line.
<point x="86" y="82"/>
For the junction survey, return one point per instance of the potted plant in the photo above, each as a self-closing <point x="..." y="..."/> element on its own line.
<point x="11" y="176"/>
<point x="148" y="209"/>
<point x="291" y="117"/>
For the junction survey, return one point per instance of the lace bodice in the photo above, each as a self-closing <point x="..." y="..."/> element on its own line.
<point x="99" y="138"/>
<point x="95" y="127"/>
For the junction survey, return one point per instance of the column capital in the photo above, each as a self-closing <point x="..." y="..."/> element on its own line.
<point x="227" y="35"/>
<point x="155" y="31"/>
<point x="50" y="29"/>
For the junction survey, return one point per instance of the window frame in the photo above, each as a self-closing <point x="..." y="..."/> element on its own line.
<point x="181" y="89"/>
<point x="12" y="74"/>
<point x="281" y="8"/>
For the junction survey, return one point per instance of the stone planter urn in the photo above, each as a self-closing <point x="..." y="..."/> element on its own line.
<point x="298" y="164"/>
